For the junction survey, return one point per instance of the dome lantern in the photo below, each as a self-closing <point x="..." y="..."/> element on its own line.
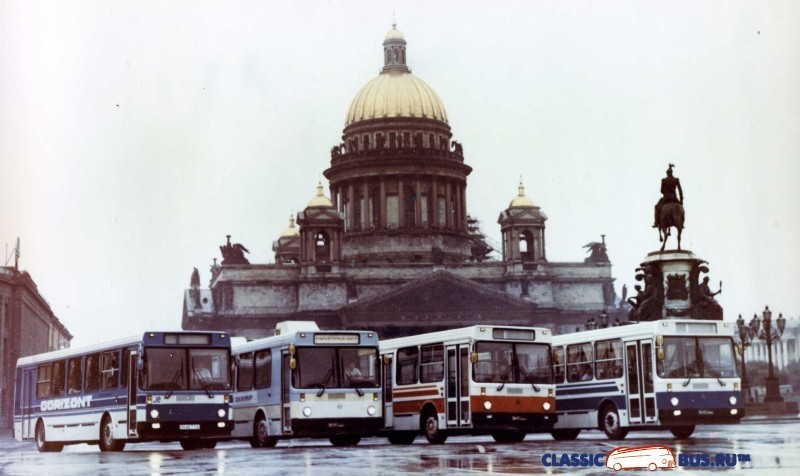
<point x="394" y="52"/>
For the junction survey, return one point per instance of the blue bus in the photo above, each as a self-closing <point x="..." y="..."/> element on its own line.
<point x="162" y="386"/>
<point x="304" y="382"/>
<point x="660" y="375"/>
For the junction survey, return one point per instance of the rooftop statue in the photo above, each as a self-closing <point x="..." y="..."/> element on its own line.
<point x="233" y="253"/>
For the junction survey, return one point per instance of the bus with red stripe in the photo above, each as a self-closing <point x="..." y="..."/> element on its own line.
<point x="474" y="380"/>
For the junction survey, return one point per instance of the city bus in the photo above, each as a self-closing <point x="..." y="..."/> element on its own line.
<point x="304" y="382"/>
<point x="162" y="386"/>
<point x="669" y="374"/>
<point x="475" y="380"/>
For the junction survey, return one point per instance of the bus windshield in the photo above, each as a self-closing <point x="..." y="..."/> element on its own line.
<point x="168" y="368"/>
<point x="512" y="362"/>
<point x="336" y="367"/>
<point x="690" y="357"/>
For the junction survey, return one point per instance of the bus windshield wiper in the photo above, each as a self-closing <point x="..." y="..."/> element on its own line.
<point x="204" y="383"/>
<point x="174" y="382"/>
<point x="324" y="384"/>
<point x="504" y="378"/>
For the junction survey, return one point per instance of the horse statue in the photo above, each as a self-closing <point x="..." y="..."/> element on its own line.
<point x="671" y="215"/>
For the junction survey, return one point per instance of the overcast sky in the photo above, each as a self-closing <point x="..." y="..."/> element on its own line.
<point x="135" y="135"/>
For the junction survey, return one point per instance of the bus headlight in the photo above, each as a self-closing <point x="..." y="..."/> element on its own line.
<point x="546" y="406"/>
<point x="156" y="426"/>
<point x="154" y="414"/>
<point x="371" y="410"/>
<point x="732" y="400"/>
<point x="221" y="412"/>
<point x="674" y="401"/>
<point x="487" y="405"/>
<point x="734" y="411"/>
<point x="307" y="411"/>
<point x="676" y="412"/>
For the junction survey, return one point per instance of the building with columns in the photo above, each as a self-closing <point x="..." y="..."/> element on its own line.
<point x="392" y="247"/>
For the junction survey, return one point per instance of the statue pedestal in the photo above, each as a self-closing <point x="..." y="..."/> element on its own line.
<point x="673" y="288"/>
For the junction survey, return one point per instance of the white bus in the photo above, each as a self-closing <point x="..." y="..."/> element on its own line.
<point x="475" y="380"/>
<point x="304" y="382"/>
<point x="669" y="374"/>
<point x="163" y="386"/>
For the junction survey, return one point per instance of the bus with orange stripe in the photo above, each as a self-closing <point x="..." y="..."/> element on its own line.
<point x="475" y="380"/>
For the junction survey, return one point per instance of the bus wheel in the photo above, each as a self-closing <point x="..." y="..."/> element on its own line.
<point x="107" y="441"/>
<point x="208" y="444"/>
<point x="565" y="435"/>
<point x="509" y="436"/>
<point x="611" y="424"/>
<point x="682" y="432"/>
<point x="261" y="438"/>
<point x="189" y="445"/>
<point x="402" y="438"/>
<point x="41" y="442"/>
<point x="433" y="434"/>
<point x="344" y="440"/>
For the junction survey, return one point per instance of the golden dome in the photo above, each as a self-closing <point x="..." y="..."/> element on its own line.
<point x="320" y="200"/>
<point x="291" y="230"/>
<point x="395" y="92"/>
<point x="521" y="200"/>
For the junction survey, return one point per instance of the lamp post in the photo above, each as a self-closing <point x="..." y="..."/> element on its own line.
<point x="603" y="320"/>
<point x="590" y="325"/>
<point x="768" y="334"/>
<point x="746" y="334"/>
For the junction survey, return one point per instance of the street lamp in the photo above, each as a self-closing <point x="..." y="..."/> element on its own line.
<point x="603" y="319"/>
<point x="746" y="335"/>
<point x="590" y="325"/>
<point x="768" y="334"/>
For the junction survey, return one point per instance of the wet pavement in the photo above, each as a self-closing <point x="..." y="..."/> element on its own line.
<point x="755" y="447"/>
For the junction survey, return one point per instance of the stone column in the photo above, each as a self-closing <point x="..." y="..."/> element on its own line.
<point x="382" y="224"/>
<point x="434" y="202"/>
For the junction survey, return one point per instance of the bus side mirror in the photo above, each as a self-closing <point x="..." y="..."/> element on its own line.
<point x="292" y="363"/>
<point x="387" y="359"/>
<point x="237" y="361"/>
<point x="660" y="354"/>
<point x="473" y="357"/>
<point x="740" y="349"/>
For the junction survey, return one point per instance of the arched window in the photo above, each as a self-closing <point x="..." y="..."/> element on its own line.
<point x="526" y="248"/>
<point x="322" y="247"/>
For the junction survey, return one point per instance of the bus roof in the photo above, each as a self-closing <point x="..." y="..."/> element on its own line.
<point x="477" y="332"/>
<point x="650" y="328"/>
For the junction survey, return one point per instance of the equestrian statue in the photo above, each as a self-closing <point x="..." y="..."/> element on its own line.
<point x="669" y="209"/>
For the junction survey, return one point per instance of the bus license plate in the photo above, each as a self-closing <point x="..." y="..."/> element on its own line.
<point x="194" y="426"/>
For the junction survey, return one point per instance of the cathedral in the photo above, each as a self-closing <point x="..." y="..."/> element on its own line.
<point x="392" y="247"/>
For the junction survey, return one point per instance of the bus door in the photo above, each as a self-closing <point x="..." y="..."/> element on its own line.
<point x="388" y="408"/>
<point x="286" y="372"/>
<point x="28" y="386"/>
<point x="457" y="388"/>
<point x="132" y="384"/>
<point x="641" y="396"/>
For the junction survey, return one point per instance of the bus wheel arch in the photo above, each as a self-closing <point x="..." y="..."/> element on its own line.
<point x="41" y="440"/>
<point x="261" y="437"/>
<point x="609" y="421"/>
<point x="429" y="424"/>
<point x="106" y="440"/>
<point x="682" y="432"/>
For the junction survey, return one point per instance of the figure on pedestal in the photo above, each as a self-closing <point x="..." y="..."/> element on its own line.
<point x="598" y="251"/>
<point x="705" y="306"/>
<point x="233" y="253"/>
<point x="669" y="209"/>
<point x="647" y="304"/>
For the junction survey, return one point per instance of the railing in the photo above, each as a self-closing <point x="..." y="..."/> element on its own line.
<point x="341" y="158"/>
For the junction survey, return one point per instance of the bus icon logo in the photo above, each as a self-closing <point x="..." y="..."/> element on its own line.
<point x="650" y="457"/>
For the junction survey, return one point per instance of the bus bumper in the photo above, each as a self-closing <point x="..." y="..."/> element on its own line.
<point x="700" y="417"/>
<point x="325" y="427"/>
<point x="179" y="431"/>
<point x="530" y="422"/>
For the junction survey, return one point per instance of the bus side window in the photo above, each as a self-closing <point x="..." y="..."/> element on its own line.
<point x="43" y="373"/>
<point x="74" y="376"/>
<point x="407" y="363"/>
<point x="91" y="381"/>
<point x="579" y="362"/>
<point x="126" y="358"/>
<point x="110" y="369"/>
<point x="244" y="380"/>
<point x="432" y="367"/>
<point x="263" y="369"/>
<point x="559" y="364"/>
<point x="58" y="380"/>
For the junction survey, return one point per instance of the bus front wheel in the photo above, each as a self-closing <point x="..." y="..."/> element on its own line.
<point x="682" y="432"/>
<point x="261" y="438"/>
<point x="433" y="433"/>
<point x="107" y="441"/>
<point x="41" y="441"/>
<point x="402" y="438"/>
<point x="611" y="424"/>
<point x="340" y="441"/>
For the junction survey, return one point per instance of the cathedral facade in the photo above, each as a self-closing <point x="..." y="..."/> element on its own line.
<point x="392" y="248"/>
